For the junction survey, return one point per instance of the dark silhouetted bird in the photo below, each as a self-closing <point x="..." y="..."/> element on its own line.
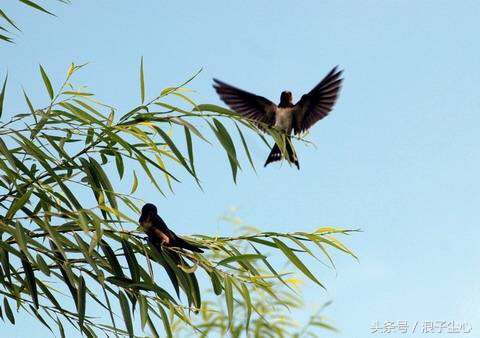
<point x="285" y="116"/>
<point x="160" y="235"/>
<point x="158" y="232"/>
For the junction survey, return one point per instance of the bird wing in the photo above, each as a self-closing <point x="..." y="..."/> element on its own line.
<point x="315" y="105"/>
<point x="159" y="223"/>
<point x="251" y="106"/>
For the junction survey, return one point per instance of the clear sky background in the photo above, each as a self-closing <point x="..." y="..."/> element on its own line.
<point x="398" y="157"/>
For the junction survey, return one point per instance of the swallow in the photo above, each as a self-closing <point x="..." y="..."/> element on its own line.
<point x="160" y="235"/>
<point x="286" y="116"/>
<point x="158" y="232"/>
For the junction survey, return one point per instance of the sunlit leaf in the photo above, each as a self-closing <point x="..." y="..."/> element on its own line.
<point x="229" y="299"/>
<point x="296" y="261"/>
<point x="244" y="257"/>
<point x="142" y="82"/>
<point x="135" y="183"/>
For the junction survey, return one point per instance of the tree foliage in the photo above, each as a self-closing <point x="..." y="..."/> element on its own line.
<point x="8" y="24"/>
<point x="62" y="252"/>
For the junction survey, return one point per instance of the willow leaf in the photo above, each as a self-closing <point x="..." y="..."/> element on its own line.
<point x="45" y="78"/>
<point x="166" y="322"/>
<point x="142" y="82"/>
<point x="2" y="94"/>
<point x="245" y="257"/>
<point x="81" y="301"/>
<point x="127" y="317"/>
<point x="8" y="311"/>
<point x="229" y="299"/>
<point x="36" y="6"/>
<point x="30" y="279"/>
<point x="296" y="261"/>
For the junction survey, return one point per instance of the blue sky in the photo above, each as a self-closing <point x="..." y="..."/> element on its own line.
<point x="398" y="157"/>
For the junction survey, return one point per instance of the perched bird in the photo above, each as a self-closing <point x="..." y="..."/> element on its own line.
<point x="160" y="235"/>
<point x="285" y="116"/>
<point x="158" y="232"/>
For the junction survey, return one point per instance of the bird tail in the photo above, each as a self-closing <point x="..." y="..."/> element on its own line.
<point x="276" y="154"/>
<point x="181" y="243"/>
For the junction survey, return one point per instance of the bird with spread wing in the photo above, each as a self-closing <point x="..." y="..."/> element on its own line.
<point x="285" y="116"/>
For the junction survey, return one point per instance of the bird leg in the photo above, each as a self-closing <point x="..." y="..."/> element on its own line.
<point x="164" y="239"/>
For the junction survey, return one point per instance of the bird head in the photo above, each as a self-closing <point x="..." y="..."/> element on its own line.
<point x="286" y="98"/>
<point x="147" y="210"/>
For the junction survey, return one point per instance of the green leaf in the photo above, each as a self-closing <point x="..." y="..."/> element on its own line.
<point x="60" y="328"/>
<point x="188" y="140"/>
<point x="248" y="304"/>
<point x="21" y="238"/>
<point x="135" y="183"/>
<point x="42" y="265"/>
<point x="8" y="154"/>
<point x="103" y="178"/>
<point x="30" y="106"/>
<point x="245" y="257"/>
<point x="229" y="299"/>
<point x="112" y="259"/>
<point x="174" y="149"/>
<point x="36" y="6"/>
<point x="46" y="80"/>
<point x="119" y="164"/>
<point x="142" y="82"/>
<point x="2" y="94"/>
<point x="49" y="295"/>
<point x="324" y="325"/>
<point x="166" y="322"/>
<point x="131" y="261"/>
<point x="214" y="109"/>
<point x="5" y="260"/>
<point x="296" y="261"/>
<point x="70" y="70"/>
<point x="245" y="146"/>
<point x="19" y="202"/>
<point x="143" y="302"/>
<point x="8" y="311"/>
<point x="226" y="141"/>
<point x="40" y="318"/>
<point x="81" y="301"/>
<point x="5" y="38"/>
<point x="30" y="279"/>
<point x="10" y="21"/>
<point x="127" y="317"/>
<point x="217" y="285"/>
<point x="152" y="328"/>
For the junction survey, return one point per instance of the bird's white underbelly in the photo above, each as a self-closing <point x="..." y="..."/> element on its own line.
<point x="283" y="119"/>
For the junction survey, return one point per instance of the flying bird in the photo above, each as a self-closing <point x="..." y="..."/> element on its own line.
<point x="285" y="116"/>
<point x="159" y="233"/>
